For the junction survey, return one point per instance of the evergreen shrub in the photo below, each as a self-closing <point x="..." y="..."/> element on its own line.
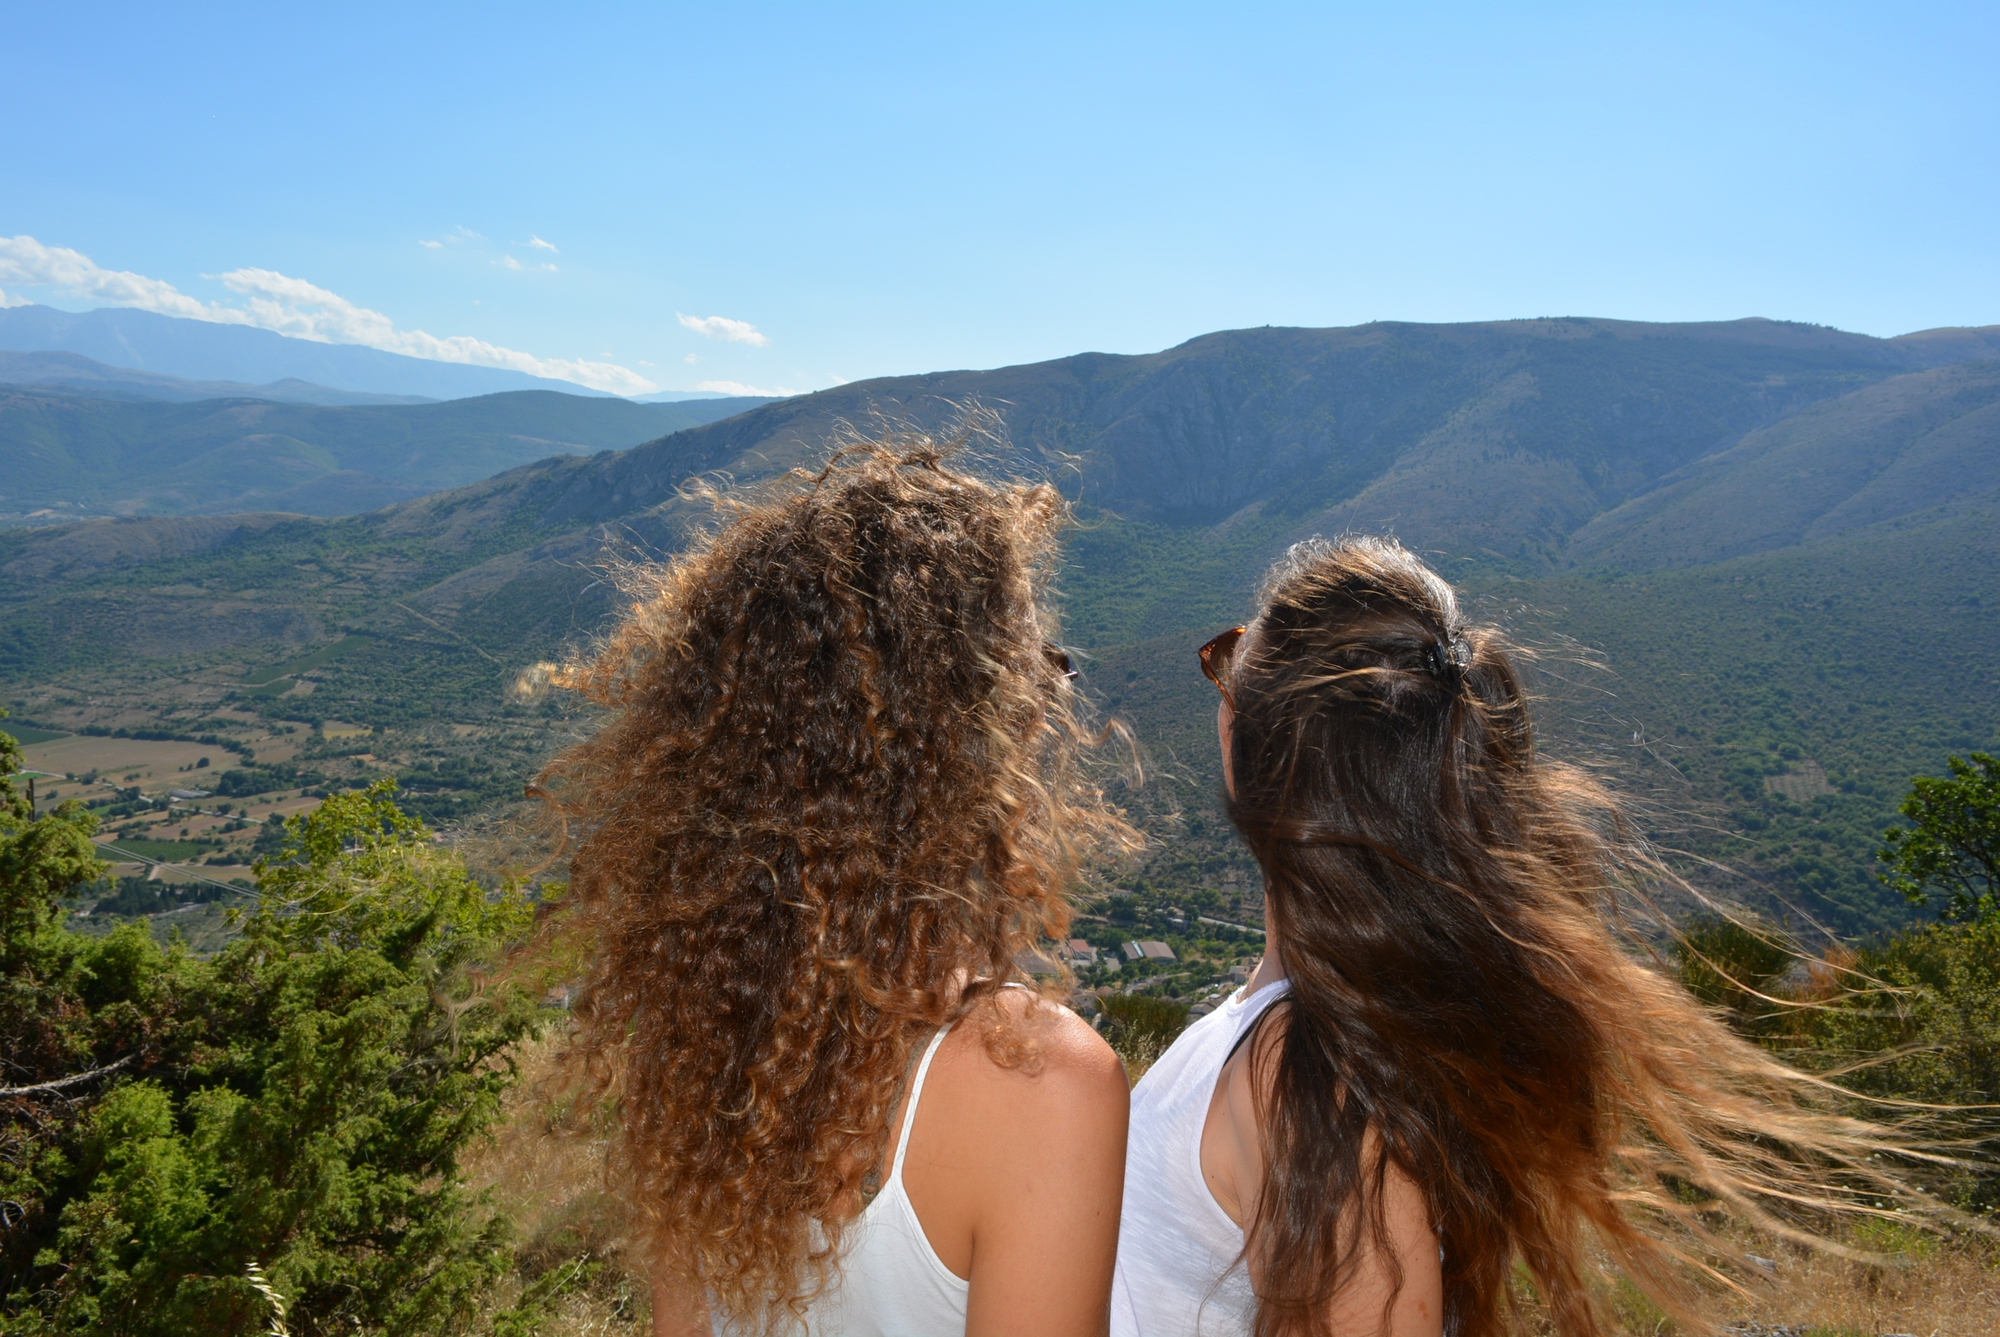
<point x="183" y="1139"/>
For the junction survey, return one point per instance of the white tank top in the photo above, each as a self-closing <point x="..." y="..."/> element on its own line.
<point x="1179" y="1272"/>
<point x="890" y="1282"/>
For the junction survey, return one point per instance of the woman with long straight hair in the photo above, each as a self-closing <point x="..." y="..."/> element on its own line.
<point x="835" y="800"/>
<point x="1451" y="1070"/>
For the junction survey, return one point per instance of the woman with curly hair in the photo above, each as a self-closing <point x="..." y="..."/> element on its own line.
<point x="837" y="798"/>
<point x="1450" y="1073"/>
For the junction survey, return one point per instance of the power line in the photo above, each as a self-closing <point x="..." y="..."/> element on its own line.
<point x="137" y="857"/>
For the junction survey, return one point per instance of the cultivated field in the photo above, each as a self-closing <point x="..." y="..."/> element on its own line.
<point x="126" y="762"/>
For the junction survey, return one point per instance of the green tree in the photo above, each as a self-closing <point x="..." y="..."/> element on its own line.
<point x="1911" y="1018"/>
<point x="292" y="1110"/>
<point x="1932" y="1037"/>
<point x="40" y="860"/>
<point x="1950" y="852"/>
<point x="1734" y="966"/>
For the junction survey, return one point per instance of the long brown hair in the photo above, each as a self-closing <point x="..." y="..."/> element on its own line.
<point x="1447" y="904"/>
<point x="838" y="784"/>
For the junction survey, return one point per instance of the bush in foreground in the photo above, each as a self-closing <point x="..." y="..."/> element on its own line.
<point x="176" y="1134"/>
<point x="1913" y="1018"/>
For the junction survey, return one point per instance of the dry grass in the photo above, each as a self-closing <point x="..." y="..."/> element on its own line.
<point x="1138" y="1053"/>
<point x="547" y="1174"/>
<point x="545" y="1169"/>
<point x="154" y="759"/>
<point x="1923" y="1287"/>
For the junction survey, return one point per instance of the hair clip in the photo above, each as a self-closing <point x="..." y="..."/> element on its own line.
<point x="1448" y="661"/>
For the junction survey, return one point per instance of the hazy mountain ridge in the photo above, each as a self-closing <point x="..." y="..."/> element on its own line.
<point x="1520" y="432"/>
<point x="207" y="351"/>
<point x="64" y="449"/>
<point x="1481" y="442"/>
<point x="78" y="374"/>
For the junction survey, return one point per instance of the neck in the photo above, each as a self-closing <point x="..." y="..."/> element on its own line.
<point x="1272" y="968"/>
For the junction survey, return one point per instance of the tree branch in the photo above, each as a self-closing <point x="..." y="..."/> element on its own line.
<point x="64" y="1083"/>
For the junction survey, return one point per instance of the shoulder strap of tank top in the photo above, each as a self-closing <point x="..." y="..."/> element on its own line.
<point x="904" y="1099"/>
<point x="1279" y="991"/>
<point x="871" y="1183"/>
<point x="910" y="1105"/>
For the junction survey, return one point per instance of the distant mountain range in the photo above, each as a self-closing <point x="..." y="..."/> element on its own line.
<point x="205" y="351"/>
<point x="1785" y="540"/>
<point x="67" y="453"/>
<point x="87" y="376"/>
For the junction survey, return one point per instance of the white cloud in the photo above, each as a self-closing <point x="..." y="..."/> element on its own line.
<point x="722" y="327"/>
<point x="738" y="388"/>
<point x="26" y="261"/>
<point x="692" y="358"/>
<point x="294" y="307"/>
<point x="541" y="245"/>
<point x="510" y="263"/>
<point x="6" y="300"/>
<point x="458" y="234"/>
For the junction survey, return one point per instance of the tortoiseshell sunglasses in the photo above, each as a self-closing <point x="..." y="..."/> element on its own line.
<point x="1215" y="657"/>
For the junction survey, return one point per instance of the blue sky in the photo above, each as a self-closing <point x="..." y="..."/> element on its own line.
<point x="869" y="190"/>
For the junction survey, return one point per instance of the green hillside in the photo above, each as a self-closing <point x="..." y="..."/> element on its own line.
<point x="87" y="455"/>
<point x="1871" y="656"/>
<point x="1764" y="710"/>
<point x="1868" y="657"/>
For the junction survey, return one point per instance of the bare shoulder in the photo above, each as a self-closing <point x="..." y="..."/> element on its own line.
<point x="1066" y="1048"/>
<point x="1022" y="1122"/>
<point x="1044" y="1058"/>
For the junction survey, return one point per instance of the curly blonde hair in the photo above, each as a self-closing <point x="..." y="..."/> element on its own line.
<point x="840" y="783"/>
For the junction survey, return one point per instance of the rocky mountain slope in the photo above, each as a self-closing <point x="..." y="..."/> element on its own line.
<point x="1505" y="438"/>
<point x="1896" y="448"/>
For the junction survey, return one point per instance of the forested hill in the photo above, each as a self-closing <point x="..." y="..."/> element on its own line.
<point x="1782" y="538"/>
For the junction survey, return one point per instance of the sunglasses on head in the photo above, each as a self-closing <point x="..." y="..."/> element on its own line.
<point x="1058" y="660"/>
<point x="1215" y="657"/>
